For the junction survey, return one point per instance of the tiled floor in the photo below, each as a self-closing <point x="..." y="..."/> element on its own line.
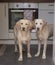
<point x="11" y="58"/>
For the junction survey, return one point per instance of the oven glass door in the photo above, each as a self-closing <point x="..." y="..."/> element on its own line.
<point x="14" y="17"/>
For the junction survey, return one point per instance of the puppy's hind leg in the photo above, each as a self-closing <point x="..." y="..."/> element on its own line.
<point x="44" y="50"/>
<point x="16" y="50"/>
<point x="39" y="47"/>
<point x="15" y="39"/>
<point x="28" y="50"/>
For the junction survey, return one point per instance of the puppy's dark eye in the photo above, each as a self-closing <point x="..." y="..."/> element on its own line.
<point x="21" y="23"/>
<point x="26" y="24"/>
<point x="40" y="23"/>
<point x="36" y="23"/>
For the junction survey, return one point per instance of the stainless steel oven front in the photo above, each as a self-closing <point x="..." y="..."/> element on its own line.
<point x="17" y="12"/>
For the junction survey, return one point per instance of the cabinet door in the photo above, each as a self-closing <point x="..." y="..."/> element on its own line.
<point x="47" y="15"/>
<point x="3" y="20"/>
<point x="46" y="6"/>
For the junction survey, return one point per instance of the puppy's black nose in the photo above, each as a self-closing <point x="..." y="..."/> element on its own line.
<point x="37" y="28"/>
<point x="23" y="29"/>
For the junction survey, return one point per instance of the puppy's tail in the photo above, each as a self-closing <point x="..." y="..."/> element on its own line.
<point x="15" y="33"/>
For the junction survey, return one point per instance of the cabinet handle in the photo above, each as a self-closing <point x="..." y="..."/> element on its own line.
<point x="5" y="9"/>
<point x="50" y="12"/>
<point x="51" y="5"/>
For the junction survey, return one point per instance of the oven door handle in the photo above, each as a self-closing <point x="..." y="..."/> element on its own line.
<point x="17" y="10"/>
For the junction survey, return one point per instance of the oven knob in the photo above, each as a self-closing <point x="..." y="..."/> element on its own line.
<point x="17" y="5"/>
<point x="29" y="5"/>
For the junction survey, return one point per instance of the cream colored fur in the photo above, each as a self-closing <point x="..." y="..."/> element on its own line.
<point x="44" y="32"/>
<point x="23" y="36"/>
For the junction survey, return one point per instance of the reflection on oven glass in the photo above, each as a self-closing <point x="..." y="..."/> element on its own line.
<point x="15" y="16"/>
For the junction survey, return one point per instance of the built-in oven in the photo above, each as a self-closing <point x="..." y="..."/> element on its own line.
<point x="16" y="13"/>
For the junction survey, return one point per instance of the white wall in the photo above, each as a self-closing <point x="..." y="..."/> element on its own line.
<point x="54" y="37"/>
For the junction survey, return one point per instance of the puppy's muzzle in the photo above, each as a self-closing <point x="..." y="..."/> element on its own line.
<point x="23" y="28"/>
<point x="38" y="29"/>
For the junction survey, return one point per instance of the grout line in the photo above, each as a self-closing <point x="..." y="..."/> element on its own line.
<point x="31" y="39"/>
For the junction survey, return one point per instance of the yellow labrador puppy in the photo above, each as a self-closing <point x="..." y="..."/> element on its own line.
<point x="43" y="32"/>
<point x="23" y="35"/>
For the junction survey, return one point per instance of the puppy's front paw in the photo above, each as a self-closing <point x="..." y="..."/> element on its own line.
<point x="36" y="55"/>
<point x="29" y="55"/>
<point x="43" y="57"/>
<point x="20" y="59"/>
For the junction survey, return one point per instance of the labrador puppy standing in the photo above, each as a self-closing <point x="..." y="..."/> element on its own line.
<point x="23" y="35"/>
<point x="43" y="32"/>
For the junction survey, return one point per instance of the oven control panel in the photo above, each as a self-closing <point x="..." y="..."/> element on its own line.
<point x="23" y="5"/>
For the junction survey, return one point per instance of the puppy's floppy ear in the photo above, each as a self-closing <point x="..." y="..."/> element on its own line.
<point x="17" y="25"/>
<point x="33" y="22"/>
<point x="44" y="24"/>
<point x="16" y="28"/>
<point x="30" y="25"/>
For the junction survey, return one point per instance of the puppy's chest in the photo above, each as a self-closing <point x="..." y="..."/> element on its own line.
<point x="40" y="36"/>
<point x="24" y="37"/>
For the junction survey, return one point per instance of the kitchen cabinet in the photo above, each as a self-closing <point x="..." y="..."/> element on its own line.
<point x="3" y="20"/>
<point x="48" y="16"/>
<point x="46" y="12"/>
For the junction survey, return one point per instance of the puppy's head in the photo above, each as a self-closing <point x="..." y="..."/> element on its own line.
<point x="39" y="24"/>
<point x="24" y="25"/>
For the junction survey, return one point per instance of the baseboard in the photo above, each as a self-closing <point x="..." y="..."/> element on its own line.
<point x="12" y="42"/>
